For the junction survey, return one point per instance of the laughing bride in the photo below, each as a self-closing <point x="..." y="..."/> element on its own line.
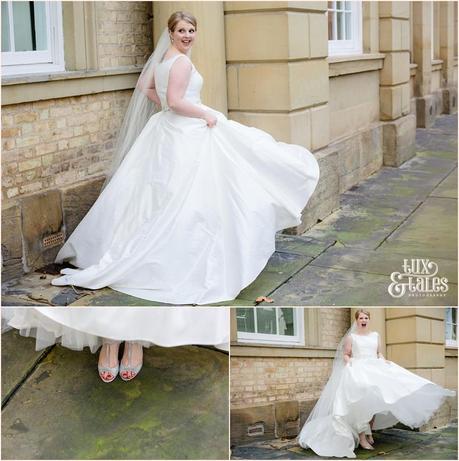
<point x="365" y="392"/>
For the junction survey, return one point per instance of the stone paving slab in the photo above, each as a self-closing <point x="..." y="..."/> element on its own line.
<point x="389" y="444"/>
<point x="325" y="286"/>
<point x="380" y="261"/>
<point x="176" y="408"/>
<point x="280" y="268"/>
<point x="109" y="297"/>
<point x="307" y="246"/>
<point x="448" y="187"/>
<point x="431" y="230"/>
<point x="20" y="355"/>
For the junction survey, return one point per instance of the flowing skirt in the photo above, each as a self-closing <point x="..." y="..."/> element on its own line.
<point x="190" y="215"/>
<point x="78" y="327"/>
<point x="371" y="387"/>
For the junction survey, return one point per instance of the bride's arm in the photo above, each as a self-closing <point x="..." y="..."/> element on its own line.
<point x="347" y="349"/>
<point x="150" y="91"/>
<point x="179" y="77"/>
<point x="151" y="94"/>
<point x="379" y="353"/>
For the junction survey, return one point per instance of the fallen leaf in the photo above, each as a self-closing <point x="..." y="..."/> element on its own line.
<point x="265" y="299"/>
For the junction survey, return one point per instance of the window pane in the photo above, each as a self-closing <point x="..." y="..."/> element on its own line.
<point x="348" y="26"/>
<point x="339" y="5"/>
<point x="245" y="319"/>
<point x="29" y="26"/>
<point x="340" y="25"/>
<point x="266" y="320"/>
<point x="347" y="6"/>
<point x="331" y="19"/>
<point x="6" y="46"/>
<point x="40" y="26"/>
<point x="286" y="323"/>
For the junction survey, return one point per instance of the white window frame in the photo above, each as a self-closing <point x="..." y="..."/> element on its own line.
<point x="32" y="62"/>
<point x="450" y="342"/>
<point x="263" y="338"/>
<point x="353" y="46"/>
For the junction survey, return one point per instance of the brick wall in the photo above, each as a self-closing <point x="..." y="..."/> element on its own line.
<point x="124" y="33"/>
<point x="55" y="143"/>
<point x="334" y="322"/>
<point x="259" y="380"/>
<point x="277" y="393"/>
<point x="255" y="381"/>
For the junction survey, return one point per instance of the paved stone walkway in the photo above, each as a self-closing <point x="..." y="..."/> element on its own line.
<point x="54" y="406"/>
<point x="389" y="444"/>
<point x="347" y="259"/>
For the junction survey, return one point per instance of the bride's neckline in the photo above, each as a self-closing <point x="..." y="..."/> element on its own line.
<point x="368" y="334"/>
<point x="173" y="56"/>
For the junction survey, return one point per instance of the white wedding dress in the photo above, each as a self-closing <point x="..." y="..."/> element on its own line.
<point x="190" y="215"/>
<point x="79" y="327"/>
<point x="371" y="386"/>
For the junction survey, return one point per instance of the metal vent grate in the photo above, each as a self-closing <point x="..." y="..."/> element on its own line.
<point x="256" y="430"/>
<point x="53" y="240"/>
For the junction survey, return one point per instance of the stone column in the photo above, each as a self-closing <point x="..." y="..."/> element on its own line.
<point x="208" y="53"/>
<point x="277" y="69"/>
<point x="416" y="340"/>
<point x="277" y="73"/>
<point x="422" y="56"/>
<point x="449" y="83"/>
<point x="400" y="129"/>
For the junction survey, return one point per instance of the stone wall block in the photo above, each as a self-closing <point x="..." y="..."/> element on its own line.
<point x="287" y="417"/>
<point x="12" y="265"/>
<point x="257" y="6"/>
<point x="249" y="36"/>
<point x="425" y="111"/>
<point x="394" y="35"/>
<point x="389" y="9"/>
<point x="399" y="140"/>
<point x="292" y="127"/>
<point x="251" y="87"/>
<point x="396" y="69"/>
<point x="77" y="200"/>
<point x="325" y="199"/>
<point x="41" y="217"/>
<point x="308" y="83"/>
<point x="318" y="35"/>
<point x="449" y="100"/>
<point x="320" y="126"/>
<point x="245" y="420"/>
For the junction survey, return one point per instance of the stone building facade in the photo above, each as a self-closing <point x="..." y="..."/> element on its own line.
<point x="275" y="383"/>
<point x="272" y="65"/>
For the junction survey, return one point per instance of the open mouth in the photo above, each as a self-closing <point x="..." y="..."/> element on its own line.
<point x="364" y="324"/>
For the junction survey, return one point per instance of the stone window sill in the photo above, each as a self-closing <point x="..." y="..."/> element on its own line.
<point x="450" y="351"/>
<point x="354" y="64"/>
<point x="279" y="351"/>
<point x="28" y="88"/>
<point x="437" y="64"/>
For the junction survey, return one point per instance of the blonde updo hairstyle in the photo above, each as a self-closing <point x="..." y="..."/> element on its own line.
<point x="361" y="311"/>
<point x="178" y="16"/>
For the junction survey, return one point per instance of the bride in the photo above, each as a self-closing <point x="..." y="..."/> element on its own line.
<point x="93" y="327"/>
<point x="366" y="392"/>
<point x="190" y="208"/>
